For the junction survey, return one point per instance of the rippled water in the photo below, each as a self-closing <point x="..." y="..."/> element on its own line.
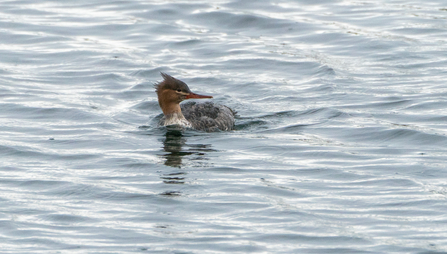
<point x="339" y="147"/>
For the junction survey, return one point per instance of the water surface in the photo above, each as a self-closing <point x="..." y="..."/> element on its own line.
<point x="339" y="147"/>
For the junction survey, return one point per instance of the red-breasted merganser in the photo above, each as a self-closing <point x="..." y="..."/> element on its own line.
<point x="200" y="116"/>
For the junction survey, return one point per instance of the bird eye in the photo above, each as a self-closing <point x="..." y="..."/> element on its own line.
<point x="179" y="90"/>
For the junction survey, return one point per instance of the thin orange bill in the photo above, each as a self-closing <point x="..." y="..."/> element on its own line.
<point x="197" y="96"/>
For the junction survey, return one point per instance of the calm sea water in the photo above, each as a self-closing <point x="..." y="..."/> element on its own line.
<point x="340" y="143"/>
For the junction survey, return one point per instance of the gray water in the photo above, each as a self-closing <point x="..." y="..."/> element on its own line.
<point x="340" y="140"/>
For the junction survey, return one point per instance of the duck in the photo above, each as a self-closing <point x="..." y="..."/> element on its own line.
<point x="207" y="116"/>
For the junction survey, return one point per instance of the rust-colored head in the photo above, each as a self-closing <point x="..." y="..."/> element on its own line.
<point x="171" y="92"/>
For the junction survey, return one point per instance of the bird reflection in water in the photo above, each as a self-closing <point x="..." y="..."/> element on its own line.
<point x="173" y="145"/>
<point x="177" y="150"/>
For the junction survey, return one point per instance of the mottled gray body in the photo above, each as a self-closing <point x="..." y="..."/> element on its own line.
<point x="206" y="116"/>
